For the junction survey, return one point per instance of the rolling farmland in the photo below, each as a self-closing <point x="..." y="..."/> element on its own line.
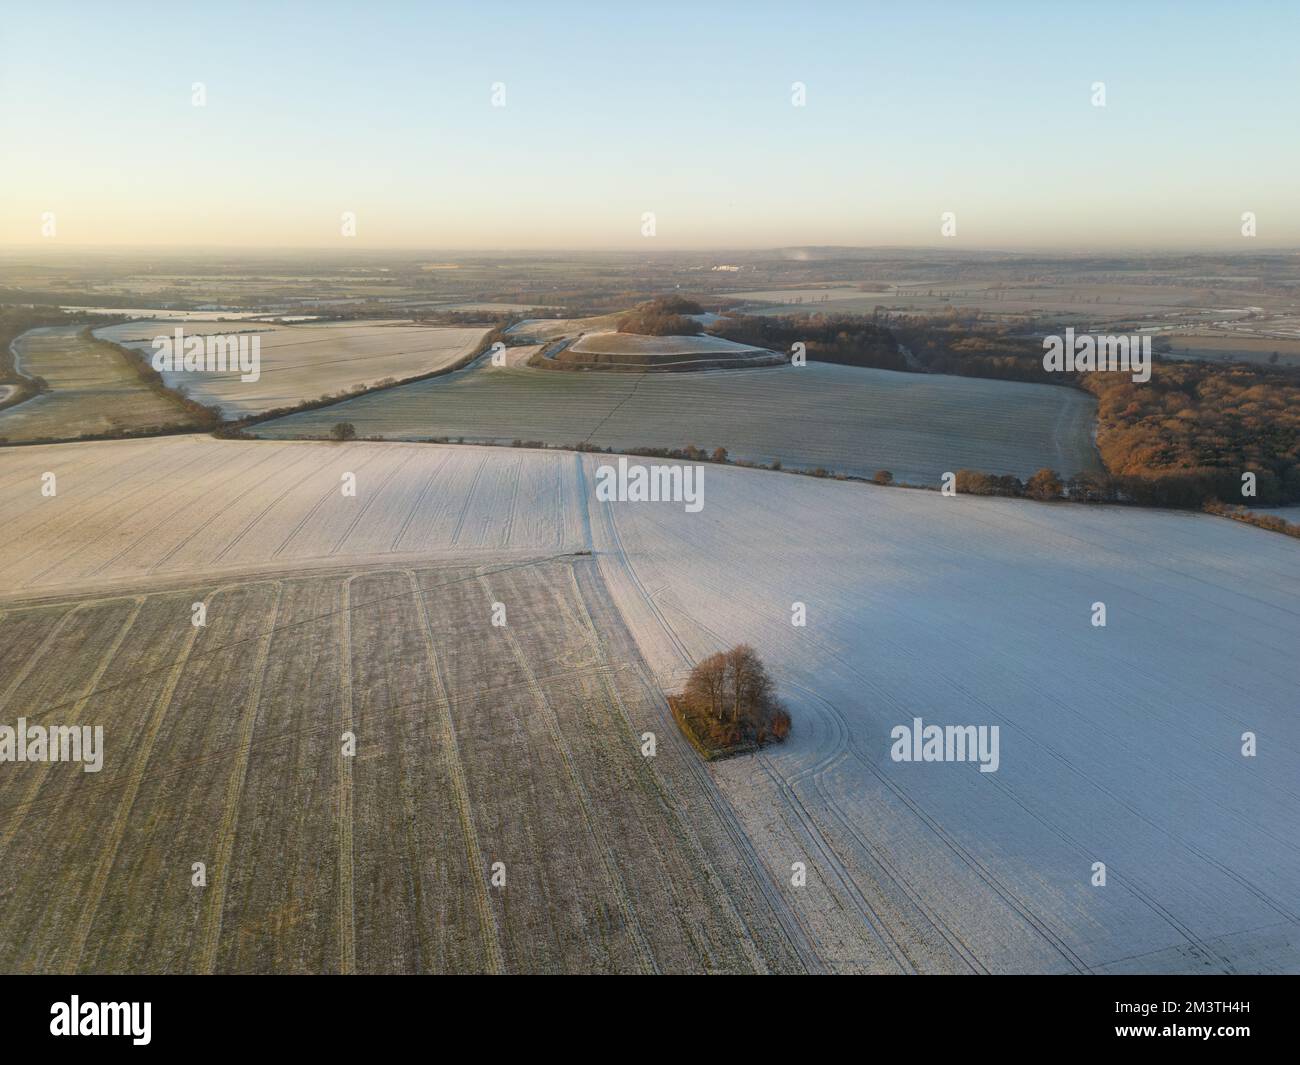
<point x="224" y="745"/>
<point x="371" y="613"/>
<point x="846" y="419"/>
<point x="93" y="390"/>
<point x="301" y="362"/>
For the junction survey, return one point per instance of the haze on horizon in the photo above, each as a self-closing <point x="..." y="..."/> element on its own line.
<point x="685" y="112"/>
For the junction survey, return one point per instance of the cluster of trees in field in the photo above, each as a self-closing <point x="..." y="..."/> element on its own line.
<point x="967" y="345"/>
<point x="729" y="704"/>
<point x="850" y="340"/>
<point x="1182" y="439"/>
<point x="662" y="317"/>
<point x="1189" y="434"/>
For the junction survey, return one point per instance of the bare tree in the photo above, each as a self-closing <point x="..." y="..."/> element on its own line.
<point x="734" y="686"/>
<point x="707" y="684"/>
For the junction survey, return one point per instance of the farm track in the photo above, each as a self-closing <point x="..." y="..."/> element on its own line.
<point x="827" y="757"/>
<point x="833" y="865"/>
<point x="469" y="498"/>
<point x="785" y="914"/>
<point x="668" y="795"/>
<point x="815" y="773"/>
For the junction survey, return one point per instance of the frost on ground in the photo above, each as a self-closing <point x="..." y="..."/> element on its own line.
<point x="843" y="418"/>
<point x="495" y="815"/>
<point x="129" y="511"/>
<point x="613" y="343"/>
<point x="634" y="352"/>
<point x="543" y="329"/>
<point x="1119" y="744"/>
<point x="93" y="389"/>
<point x="302" y="362"/>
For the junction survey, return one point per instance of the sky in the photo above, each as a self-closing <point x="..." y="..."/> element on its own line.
<point x="683" y="111"/>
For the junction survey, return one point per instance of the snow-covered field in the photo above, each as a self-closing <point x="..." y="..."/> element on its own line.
<point x="843" y="418"/>
<point x="93" y="389"/>
<point x="613" y="343"/>
<point x="131" y="510"/>
<point x="474" y="745"/>
<point x="176" y="315"/>
<point x="302" y="362"/>
<point x="543" y="329"/>
<point x="1118" y="744"/>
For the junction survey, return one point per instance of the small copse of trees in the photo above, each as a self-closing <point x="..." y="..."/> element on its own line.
<point x="729" y="705"/>
<point x="663" y="317"/>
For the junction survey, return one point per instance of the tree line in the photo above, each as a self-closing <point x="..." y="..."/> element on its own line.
<point x="1183" y="439"/>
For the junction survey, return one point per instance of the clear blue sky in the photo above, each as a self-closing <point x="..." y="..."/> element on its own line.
<point x="683" y="110"/>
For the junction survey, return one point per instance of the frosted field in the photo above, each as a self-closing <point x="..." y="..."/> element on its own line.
<point x="613" y="343"/>
<point x="1118" y="744"/>
<point x="633" y="352"/>
<point x="177" y="316"/>
<point x="843" y="418"/>
<point x="543" y="329"/>
<point x="301" y="362"/>
<point x="474" y="745"/>
<point x="93" y="390"/>
<point x="129" y="511"/>
<point x="1085" y="298"/>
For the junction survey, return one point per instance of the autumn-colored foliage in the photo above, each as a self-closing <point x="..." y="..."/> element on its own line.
<point x="663" y="317"/>
<point x="729" y="704"/>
